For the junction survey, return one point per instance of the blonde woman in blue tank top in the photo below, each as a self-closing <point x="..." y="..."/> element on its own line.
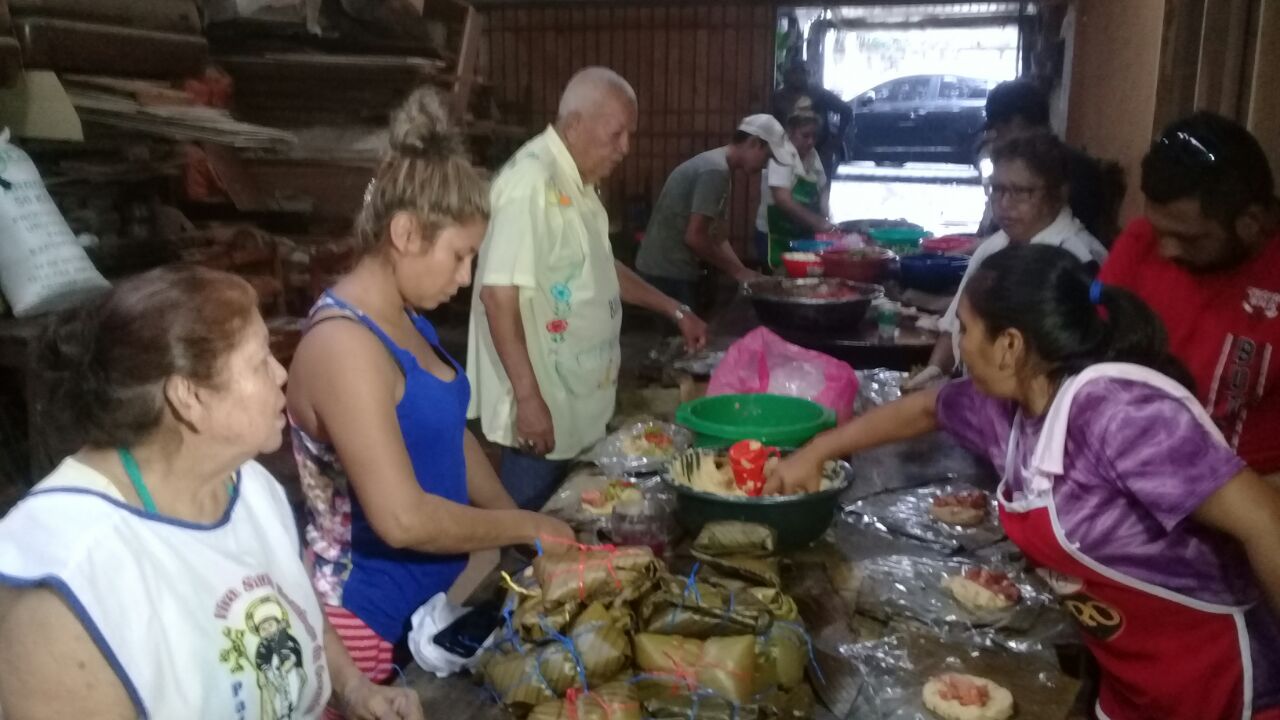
<point x="398" y="491"/>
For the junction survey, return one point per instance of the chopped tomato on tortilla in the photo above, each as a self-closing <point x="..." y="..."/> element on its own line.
<point x="965" y="691"/>
<point x="995" y="581"/>
<point x="975" y="499"/>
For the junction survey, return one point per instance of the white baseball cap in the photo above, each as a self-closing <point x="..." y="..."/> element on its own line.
<point x="767" y="128"/>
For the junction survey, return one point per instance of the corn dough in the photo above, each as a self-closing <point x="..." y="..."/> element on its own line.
<point x="999" y="704"/>
<point x="973" y="596"/>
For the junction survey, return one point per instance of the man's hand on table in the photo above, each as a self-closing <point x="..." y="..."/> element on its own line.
<point x="797" y="473"/>
<point x="694" y="331"/>
<point x="363" y="700"/>
<point x="535" y="430"/>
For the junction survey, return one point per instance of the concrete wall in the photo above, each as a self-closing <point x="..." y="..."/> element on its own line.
<point x="1116" y="58"/>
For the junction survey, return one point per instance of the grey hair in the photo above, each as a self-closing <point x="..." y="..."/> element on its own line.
<point x="588" y="87"/>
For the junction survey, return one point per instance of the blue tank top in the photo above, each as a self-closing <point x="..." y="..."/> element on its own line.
<point x="383" y="585"/>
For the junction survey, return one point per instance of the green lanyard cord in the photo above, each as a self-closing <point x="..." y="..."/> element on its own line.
<point x="135" y="477"/>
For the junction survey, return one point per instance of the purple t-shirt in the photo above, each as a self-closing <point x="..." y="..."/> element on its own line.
<point x="1137" y="464"/>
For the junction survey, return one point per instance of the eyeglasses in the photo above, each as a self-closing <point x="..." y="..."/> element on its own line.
<point x="1016" y="193"/>
<point x="1186" y="147"/>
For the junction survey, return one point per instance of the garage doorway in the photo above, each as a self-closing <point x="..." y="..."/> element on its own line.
<point x="916" y="77"/>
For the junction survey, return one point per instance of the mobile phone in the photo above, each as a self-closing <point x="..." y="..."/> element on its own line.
<point x="466" y="635"/>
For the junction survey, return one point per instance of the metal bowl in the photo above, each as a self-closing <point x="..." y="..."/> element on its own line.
<point x="782" y="303"/>
<point x="798" y="519"/>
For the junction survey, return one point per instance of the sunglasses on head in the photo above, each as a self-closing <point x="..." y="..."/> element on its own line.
<point x="1186" y="147"/>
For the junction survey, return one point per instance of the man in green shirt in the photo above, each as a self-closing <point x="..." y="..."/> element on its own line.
<point x="679" y="237"/>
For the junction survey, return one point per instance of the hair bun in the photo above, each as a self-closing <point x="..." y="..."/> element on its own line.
<point x="420" y="127"/>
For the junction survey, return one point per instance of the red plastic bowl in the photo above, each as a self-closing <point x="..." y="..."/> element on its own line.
<point x="951" y="244"/>
<point x="867" y="265"/>
<point x="802" y="265"/>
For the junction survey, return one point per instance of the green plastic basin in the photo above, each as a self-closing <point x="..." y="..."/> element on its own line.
<point x="772" y="419"/>
<point x="900" y="240"/>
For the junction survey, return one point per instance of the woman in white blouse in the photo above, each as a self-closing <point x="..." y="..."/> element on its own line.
<point x="1029" y="192"/>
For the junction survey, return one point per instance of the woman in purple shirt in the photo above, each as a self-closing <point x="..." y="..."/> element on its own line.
<point x="1164" y="546"/>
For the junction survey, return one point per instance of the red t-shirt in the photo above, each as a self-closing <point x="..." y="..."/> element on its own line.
<point x="1224" y="326"/>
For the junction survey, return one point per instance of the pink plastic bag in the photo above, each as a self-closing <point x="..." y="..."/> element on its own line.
<point x="762" y="362"/>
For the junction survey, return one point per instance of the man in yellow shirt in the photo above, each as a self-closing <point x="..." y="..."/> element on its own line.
<point x="546" y="311"/>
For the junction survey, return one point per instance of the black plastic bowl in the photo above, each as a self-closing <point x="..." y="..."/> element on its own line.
<point x="799" y="519"/>
<point x="779" y="305"/>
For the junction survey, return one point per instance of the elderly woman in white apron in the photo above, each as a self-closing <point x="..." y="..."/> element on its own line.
<point x="1116" y="485"/>
<point x="156" y="572"/>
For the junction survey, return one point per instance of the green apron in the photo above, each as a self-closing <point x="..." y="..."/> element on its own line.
<point x="783" y="228"/>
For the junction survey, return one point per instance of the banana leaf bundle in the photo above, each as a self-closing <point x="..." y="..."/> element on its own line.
<point x="514" y="678"/>
<point x="615" y="701"/>
<point x="533" y="618"/>
<point x="782" y="654"/>
<point x="781" y="605"/>
<point x="797" y="703"/>
<point x="700" y="611"/>
<point x="736" y="538"/>
<point x="591" y="573"/>
<point x="595" y="649"/>
<point x="723" y="666"/>
<point x="683" y="706"/>
<point x="759" y="572"/>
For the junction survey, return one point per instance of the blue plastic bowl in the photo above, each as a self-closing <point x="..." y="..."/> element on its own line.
<point x="933" y="273"/>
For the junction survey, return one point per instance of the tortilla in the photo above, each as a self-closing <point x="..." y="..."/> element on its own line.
<point x="941" y="699"/>
<point x="974" y="597"/>
<point x="957" y="515"/>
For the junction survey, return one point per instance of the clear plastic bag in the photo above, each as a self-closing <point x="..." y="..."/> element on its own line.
<point x="896" y="669"/>
<point x="907" y="513"/>
<point x="878" y="387"/>
<point x="762" y="362"/>
<point x="906" y="586"/>
<point x="632" y="450"/>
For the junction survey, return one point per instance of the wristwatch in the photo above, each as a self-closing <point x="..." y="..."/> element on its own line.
<point x="681" y="312"/>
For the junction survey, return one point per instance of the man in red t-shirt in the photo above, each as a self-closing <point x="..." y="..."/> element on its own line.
<point x="1206" y="258"/>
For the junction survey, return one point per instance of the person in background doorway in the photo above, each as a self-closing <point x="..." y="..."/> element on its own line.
<point x="1206" y="258"/>
<point x="795" y="193"/>
<point x="1029" y="190"/>
<point x="1096" y="187"/>
<point x="1115" y="484"/>
<point x="546" y="313"/>
<point x="680" y="237"/>
<point x="398" y="491"/>
<point x="799" y="95"/>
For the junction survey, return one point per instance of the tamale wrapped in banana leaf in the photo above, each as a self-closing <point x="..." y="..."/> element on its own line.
<point x="513" y="676"/>
<point x="724" y="666"/>
<point x="614" y="701"/>
<point x="592" y="573"/>
<point x="597" y="640"/>
<point x="760" y="572"/>
<point x="797" y="703"/>
<point x="781" y="605"/>
<point x="736" y="538"/>
<point x="683" y="706"/>
<point x="699" y="610"/>
<point x="782" y="654"/>
<point x="534" y="618"/>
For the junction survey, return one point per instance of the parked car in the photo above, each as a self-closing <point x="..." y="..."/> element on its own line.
<point x="919" y="118"/>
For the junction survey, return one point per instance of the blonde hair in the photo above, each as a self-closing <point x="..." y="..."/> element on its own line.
<point x="425" y="172"/>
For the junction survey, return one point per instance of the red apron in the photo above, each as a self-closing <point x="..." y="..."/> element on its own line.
<point x="1164" y="656"/>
